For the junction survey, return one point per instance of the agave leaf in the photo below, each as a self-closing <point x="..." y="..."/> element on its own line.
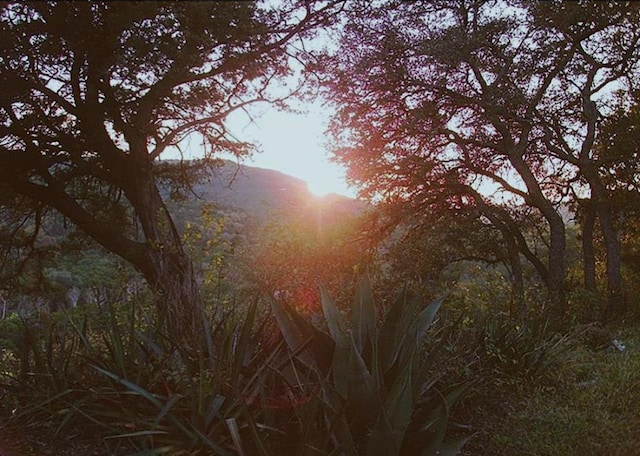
<point x="136" y="434"/>
<point x="81" y="331"/>
<point x="388" y="331"/>
<point x="131" y="386"/>
<point x="315" y="347"/>
<point x="382" y="442"/>
<point x="155" y="451"/>
<point x="254" y="386"/>
<point x="438" y="423"/>
<point x="399" y="404"/>
<point x="453" y="395"/>
<point x="335" y="321"/>
<point x="363" y="397"/>
<point x="388" y="434"/>
<point x="341" y="368"/>
<point x="196" y="434"/>
<point x="214" y="408"/>
<point x="364" y="314"/>
<point x="342" y="353"/>
<point x="149" y="344"/>
<point x="235" y="435"/>
<point x="291" y="331"/>
<point x="375" y="363"/>
<point x="259" y="444"/>
<point x="241" y="350"/>
<point x="423" y="369"/>
<point x="425" y="318"/>
<point x="63" y="422"/>
<point x="166" y="407"/>
<point x="89" y="415"/>
<point x="441" y="415"/>
<point x="338" y="427"/>
<point x="392" y="332"/>
<point x="115" y="336"/>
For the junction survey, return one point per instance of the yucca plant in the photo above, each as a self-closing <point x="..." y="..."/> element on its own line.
<point x="130" y="388"/>
<point x="376" y="392"/>
<point x="198" y="406"/>
<point x="519" y="349"/>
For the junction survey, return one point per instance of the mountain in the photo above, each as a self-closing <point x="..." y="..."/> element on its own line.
<point x="225" y="212"/>
<point x="260" y="190"/>
<point x="257" y="193"/>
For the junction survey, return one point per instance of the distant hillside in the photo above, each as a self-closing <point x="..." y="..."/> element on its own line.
<point x="259" y="193"/>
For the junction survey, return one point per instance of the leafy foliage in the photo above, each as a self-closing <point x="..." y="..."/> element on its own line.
<point x="110" y="372"/>
<point x="519" y="349"/>
<point x="307" y="244"/>
<point x="586" y="401"/>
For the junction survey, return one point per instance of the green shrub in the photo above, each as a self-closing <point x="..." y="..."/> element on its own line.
<point x="365" y="386"/>
<point x="588" y="407"/>
<point x="10" y="332"/>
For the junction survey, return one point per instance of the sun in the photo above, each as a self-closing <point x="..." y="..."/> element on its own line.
<point x="319" y="188"/>
<point x="324" y="178"/>
<point x="295" y="144"/>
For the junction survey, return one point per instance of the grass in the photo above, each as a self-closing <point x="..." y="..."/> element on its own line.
<point x="586" y="405"/>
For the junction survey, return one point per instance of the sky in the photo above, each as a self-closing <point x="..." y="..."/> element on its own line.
<point x="294" y="144"/>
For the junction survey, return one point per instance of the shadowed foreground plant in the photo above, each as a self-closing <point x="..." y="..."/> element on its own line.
<point x="376" y="393"/>
<point x="127" y="385"/>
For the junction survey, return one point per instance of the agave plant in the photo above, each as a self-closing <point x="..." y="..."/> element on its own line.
<point x="377" y="393"/>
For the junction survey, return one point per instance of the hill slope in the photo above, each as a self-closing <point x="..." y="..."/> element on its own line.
<point x="256" y="193"/>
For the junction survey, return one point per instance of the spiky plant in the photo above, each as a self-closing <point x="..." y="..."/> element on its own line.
<point x="375" y="390"/>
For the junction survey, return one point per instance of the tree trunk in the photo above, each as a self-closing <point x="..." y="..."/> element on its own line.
<point x="588" y="251"/>
<point x="615" y="296"/>
<point x="160" y="257"/>
<point x="557" y="267"/>
<point x="558" y="243"/>
<point x="178" y="301"/>
<point x="600" y="198"/>
<point x="518" y="303"/>
<point x="166" y="266"/>
<point x="503" y="223"/>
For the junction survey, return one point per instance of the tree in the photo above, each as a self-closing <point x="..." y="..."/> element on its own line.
<point x="95" y="92"/>
<point x="416" y="245"/>
<point x="605" y="38"/>
<point x="616" y="165"/>
<point x="487" y="102"/>
<point x="19" y="225"/>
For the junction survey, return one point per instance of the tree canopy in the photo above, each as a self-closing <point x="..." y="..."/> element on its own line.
<point x="491" y="104"/>
<point x="95" y="92"/>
